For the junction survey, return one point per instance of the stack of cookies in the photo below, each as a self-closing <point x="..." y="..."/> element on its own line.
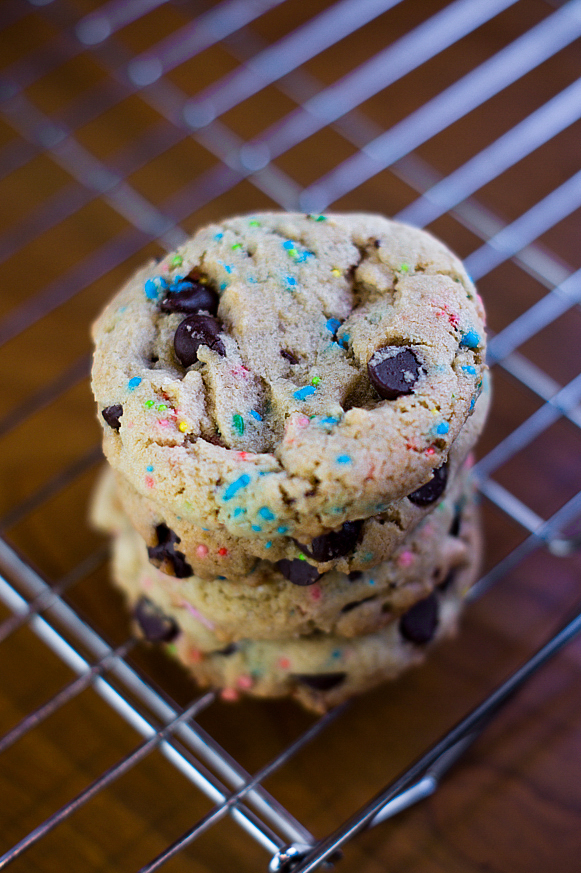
<point x="289" y="403"/>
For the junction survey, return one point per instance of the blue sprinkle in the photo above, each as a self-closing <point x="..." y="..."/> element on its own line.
<point x="344" y="340"/>
<point x="223" y="286"/>
<point x="368" y="556"/>
<point x="121" y="309"/>
<point x="289" y="244"/>
<point x="344" y="459"/>
<point x="218" y="236"/>
<point x="267" y="514"/>
<point x="329" y="421"/>
<point x="268" y="545"/>
<point x="338" y="509"/>
<point x="256" y="415"/>
<point x="282" y="529"/>
<point x="238" y="511"/>
<point x="252" y="280"/>
<point x="470" y="339"/>
<point x="256" y="527"/>
<point x="302" y="257"/>
<point x="442" y="428"/>
<point x="290" y="280"/>
<point x="336" y="653"/>
<point x="371" y="581"/>
<point x="180" y="285"/>
<point x="471" y="370"/>
<point x="236" y="486"/>
<point x="149" y="468"/>
<point x="228" y="268"/>
<point x="220" y="577"/>
<point x="151" y="290"/>
<point x="473" y="401"/>
<point x="133" y="383"/>
<point x="333" y="324"/>
<point x="305" y="392"/>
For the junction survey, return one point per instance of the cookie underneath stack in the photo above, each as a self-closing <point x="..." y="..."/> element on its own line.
<point x="288" y="404"/>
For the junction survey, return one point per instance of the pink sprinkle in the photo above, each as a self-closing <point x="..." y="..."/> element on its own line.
<point x="229" y="694"/>
<point x="430" y="451"/>
<point x="165" y="268"/>
<point x="315" y="592"/>
<point x="195" y="656"/>
<point x="222" y="551"/>
<point x="405" y="559"/>
<point x="242" y="455"/>
<point x="201" y="551"/>
<point x="198" y="615"/>
<point x="163" y="422"/>
<point x="149" y="481"/>
<point x="245" y="682"/>
<point x="303" y="421"/>
<point x="284" y="663"/>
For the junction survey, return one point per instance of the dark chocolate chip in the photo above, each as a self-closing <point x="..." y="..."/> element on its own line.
<point x="433" y="489"/>
<point x="334" y="544"/>
<point x="393" y="371"/>
<point x="456" y="523"/>
<point x="320" y="681"/>
<point x="377" y="243"/>
<point x="445" y="583"/>
<point x="349" y="606"/>
<point x="165" y="556"/>
<point x="193" y="332"/>
<point x="155" y="625"/>
<point x="418" y="624"/>
<point x="298" y="572"/>
<point x="228" y="650"/>
<point x="192" y="299"/>
<point x="289" y="356"/>
<point x="354" y="575"/>
<point x="112" y="414"/>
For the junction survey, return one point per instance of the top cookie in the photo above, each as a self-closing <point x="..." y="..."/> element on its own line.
<point x="282" y="374"/>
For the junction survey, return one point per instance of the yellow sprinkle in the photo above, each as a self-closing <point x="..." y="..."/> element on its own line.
<point x="335" y="272"/>
<point x="183" y="426"/>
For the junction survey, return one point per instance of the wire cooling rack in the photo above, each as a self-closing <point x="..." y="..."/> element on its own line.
<point x="127" y="124"/>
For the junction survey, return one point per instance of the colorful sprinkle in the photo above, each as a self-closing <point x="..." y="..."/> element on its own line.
<point x="239" y="511"/>
<point x="149" y="481"/>
<point x="305" y="392"/>
<point x="238" y="423"/>
<point x="266" y="513"/>
<point x="254" y="223"/>
<point x="154" y="287"/>
<point x="218" y="236"/>
<point x="405" y="559"/>
<point x="333" y="325"/>
<point x="133" y="383"/>
<point x="282" y="529"/>
<point x="236" y="247"/>
<point x="234" y="487"/>
<point x="222" y="552"/>
<point x="288" y="244"/>
<point x="223" y="286"/>
<point x="321" y="218"/>
<point x="315" y="592"/>
<point x="335" y="272"/>
<point x="442" y="428"/>
<point x="470" y="370"/>
<point x="268" y="544"/>
<point x="284" y="663"/>
<point x="245" y="681"/>
<point x="256" y="527"/>
<point x="183" y="426"/>
<point x="329" y="421"/>
<point x="470" y="339"/>
<point x="256" y="415"/>
<point x="316" y="380"/>
<point x="404" y="268"/>
<point x="162" y="407"/>
<point x="176" y="261"/>
<point x="229" y="694"/>
<point x="201" y="551"/>
<point x="344" y="459"/>
<point x="149" y="403"/>
<point x="290" y="280"/>
<point x="149" y="468"/>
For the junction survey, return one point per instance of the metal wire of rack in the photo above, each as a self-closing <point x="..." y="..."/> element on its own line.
<point x="124" y="126"/>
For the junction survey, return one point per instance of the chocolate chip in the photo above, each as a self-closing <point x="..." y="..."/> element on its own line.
<point x="165" y="556"/>
<point x="191" y="299"/>
<point x="193" y="332"/>
<point x="349" y="606"/>
<point x="298" y="572"/>
<point x="433" y="489"/>
<point x="320" y="681"/>
<point x="112" y="414"/>
<point x="155" y="625"/>
<point x="418" y="624"/>
<point x="289" y="356"/>
<point x="228" y="650"/>
<point x="456" y="523"/>
<point x="354" y="575"/>
<point x="334" y="544"/>
<point x="393" y="371"/>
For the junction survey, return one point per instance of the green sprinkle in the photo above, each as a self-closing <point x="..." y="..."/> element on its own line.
<point x="238" y="423"/>
<point x="321" y="218"/>
<point x="236" y="246"/>
<point x="316" y="380"/>
<point x="177" y="261"/>
<point x="302" y="557"/>
<point x="405" y="268"/>
<point x="254" y="223"/>
<point x="172" y="649"/>
<point x="162" y="407"/>
<point x="149" y="403"/>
